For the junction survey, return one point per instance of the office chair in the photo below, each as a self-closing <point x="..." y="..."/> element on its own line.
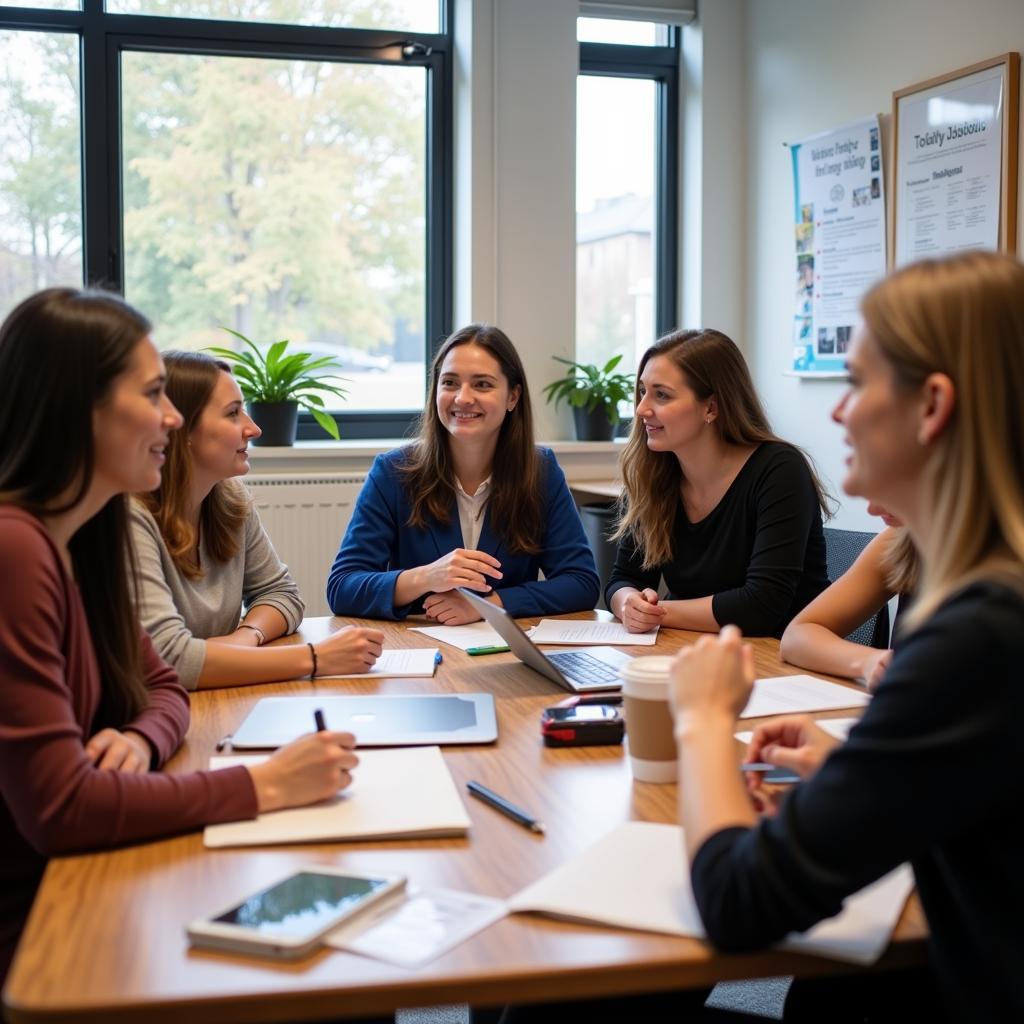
<point x="841" y="550"/>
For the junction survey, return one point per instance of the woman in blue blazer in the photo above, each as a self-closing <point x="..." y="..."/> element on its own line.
<point x="471" y="503"/>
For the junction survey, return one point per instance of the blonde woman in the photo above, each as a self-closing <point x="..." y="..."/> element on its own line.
<point x="935" y="425"/>
<point x="725" y="512"/>
<point x="815" y="639"/>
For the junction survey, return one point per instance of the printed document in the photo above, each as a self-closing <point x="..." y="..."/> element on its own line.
<point x="564" y="631"/>
<point x="800" y="695"/>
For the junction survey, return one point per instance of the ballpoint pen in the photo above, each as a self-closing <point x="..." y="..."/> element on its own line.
<point x="318" y="717"/>
<point x="499" y="803"/>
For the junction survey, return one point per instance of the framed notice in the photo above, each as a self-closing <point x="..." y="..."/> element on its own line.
<point x="955" y="158"/>
<point x="839" y="235"/>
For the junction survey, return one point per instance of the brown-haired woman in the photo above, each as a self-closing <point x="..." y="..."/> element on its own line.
<point x="715" y="503"/>
<point x="202" y="555"/>
<point x="87" y="708"/>
<point x="471" y="503"/>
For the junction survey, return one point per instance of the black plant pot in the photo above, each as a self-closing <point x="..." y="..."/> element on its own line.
<point x="278" y="420"/>
<point x="593" y="426"/>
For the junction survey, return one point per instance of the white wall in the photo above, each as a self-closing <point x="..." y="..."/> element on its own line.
<point x="812" y="65"/>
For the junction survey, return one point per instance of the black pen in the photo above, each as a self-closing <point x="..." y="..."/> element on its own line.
<point x="318" y="717"/>
<point x="499" y="803"/>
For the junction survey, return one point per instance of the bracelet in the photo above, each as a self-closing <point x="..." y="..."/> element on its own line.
<point x="312" y="650"/>
<point x="260" y="635"/>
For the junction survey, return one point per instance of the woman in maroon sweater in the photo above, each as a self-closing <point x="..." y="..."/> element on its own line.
<point x="87" y="708"/>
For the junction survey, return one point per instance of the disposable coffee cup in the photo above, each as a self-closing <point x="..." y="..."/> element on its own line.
<point x="652" y="743"/>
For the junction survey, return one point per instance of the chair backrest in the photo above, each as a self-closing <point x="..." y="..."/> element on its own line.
<point x="841" y="550"/>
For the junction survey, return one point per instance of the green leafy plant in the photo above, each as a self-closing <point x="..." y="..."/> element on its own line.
<point x="277" y="377"/>
<point x="589" y="386"/>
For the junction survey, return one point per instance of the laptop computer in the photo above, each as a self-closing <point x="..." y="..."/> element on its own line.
<point x="378" y="720"/>
<point x="580" y="670"/>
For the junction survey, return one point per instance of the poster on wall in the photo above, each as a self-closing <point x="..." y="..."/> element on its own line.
<point x="955" y="160"/>
<point x="839" y="231"/>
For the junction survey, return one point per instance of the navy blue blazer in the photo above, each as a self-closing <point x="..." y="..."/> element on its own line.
<point x="379" y="544"/>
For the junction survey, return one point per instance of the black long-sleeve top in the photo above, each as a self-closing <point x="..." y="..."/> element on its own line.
<point x="759" y="554"/>
<point x="927" y="776"/>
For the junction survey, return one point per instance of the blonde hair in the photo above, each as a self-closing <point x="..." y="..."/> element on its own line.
<point x="901" y="563"/>
<point x="963" y="317"/>
<point x="711" y="365"/>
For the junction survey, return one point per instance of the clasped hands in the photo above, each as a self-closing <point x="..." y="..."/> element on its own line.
<point x="462" y="567"/>
<point x="712" y="681"/>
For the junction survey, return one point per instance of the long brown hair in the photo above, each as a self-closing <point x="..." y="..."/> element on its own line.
<point x="516" y="502"/>
<point x="60" y="352"/>
<point x="191" y="378"/>
<point x="711" y="365"/>
<point x="963" y="317"/>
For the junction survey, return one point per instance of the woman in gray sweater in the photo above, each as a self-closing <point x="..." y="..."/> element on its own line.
<point x="202" y="555"/>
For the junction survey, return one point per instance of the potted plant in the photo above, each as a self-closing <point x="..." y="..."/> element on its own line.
<point x="594" y="394"/>
<point x="275" y="385"/>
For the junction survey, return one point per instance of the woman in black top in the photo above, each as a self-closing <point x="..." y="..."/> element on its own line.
<point x="936" y="426"/>
<point x="725" y="511"/>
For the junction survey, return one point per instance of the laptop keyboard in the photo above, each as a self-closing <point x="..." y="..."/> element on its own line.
<point x="584" y="667"/>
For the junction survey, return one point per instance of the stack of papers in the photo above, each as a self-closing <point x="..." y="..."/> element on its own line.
<point x="655" y="895"/>
<point x="800" y="695"/>
<point x="394" y="793"/>
<point x="562" y="631"/>
<point x="476" y="634"/>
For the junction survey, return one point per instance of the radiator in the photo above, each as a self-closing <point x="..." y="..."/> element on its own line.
<point x="306" y="517"/>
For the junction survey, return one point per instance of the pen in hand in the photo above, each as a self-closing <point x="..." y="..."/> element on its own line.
<point x="318" y="717"/>
<point x="499" y="803"/>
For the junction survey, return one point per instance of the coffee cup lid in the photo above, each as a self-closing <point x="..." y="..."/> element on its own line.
<point x="652" y="668"/>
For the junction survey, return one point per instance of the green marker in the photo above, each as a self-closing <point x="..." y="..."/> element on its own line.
<point x="495" y="649"/>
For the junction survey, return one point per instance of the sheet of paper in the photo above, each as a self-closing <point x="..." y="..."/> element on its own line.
<point x="659" y="898"/>
<point x="406" y="791"/>
<point x="476" y="634"/>
<point x="408" y="661"/>
<point x="420" y="928"/>
<point x="561" y="631"/>
<point x="798" y="695"/>
<point x="838" y="727"/>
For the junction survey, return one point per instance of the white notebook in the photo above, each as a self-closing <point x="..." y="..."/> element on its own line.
<point x="408" y="662"/>
<point x="407" y="792"/>
<point x="562" y="631"/>
<point x="800" y="695"/>
<point x="653" y="894"/>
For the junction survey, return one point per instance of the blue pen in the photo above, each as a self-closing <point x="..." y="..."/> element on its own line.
<point x="438" y="658"/>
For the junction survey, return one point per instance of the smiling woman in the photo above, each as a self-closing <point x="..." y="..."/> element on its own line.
<point x="87" y="707"/>
<point x="723" y="510"/>
<point x="471" y="503"/>
<point x="202" y="554"/>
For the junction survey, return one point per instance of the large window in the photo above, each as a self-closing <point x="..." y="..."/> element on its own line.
<point x="626" y="187"/>
<point x="277" y="167"/>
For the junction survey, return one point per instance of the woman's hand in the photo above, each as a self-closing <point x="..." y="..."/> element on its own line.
<point x="312" y="768"/>
<point x="126" y="751"/>
<point x="640" y="611"/>
<point x="793" y="742"/>
<point x="460" y="568"/>
<point x="875" y="665"/>
<point x="351" y="649"/>
<point x="450" y="609"/>
<point x="714" y="676"/>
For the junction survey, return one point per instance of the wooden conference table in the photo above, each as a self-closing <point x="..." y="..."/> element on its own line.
<point x="106" y="938"/>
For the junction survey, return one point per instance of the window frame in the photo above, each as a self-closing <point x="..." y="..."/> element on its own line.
<point x="659" y="64"/>
<point x="105" y="36"/>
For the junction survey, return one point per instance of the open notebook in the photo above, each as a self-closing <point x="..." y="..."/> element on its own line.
<point x="653" y="893"/>
<point x="407" y="792"/>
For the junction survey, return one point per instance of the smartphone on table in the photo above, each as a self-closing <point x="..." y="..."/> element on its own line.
<point x="291" y="917"/>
